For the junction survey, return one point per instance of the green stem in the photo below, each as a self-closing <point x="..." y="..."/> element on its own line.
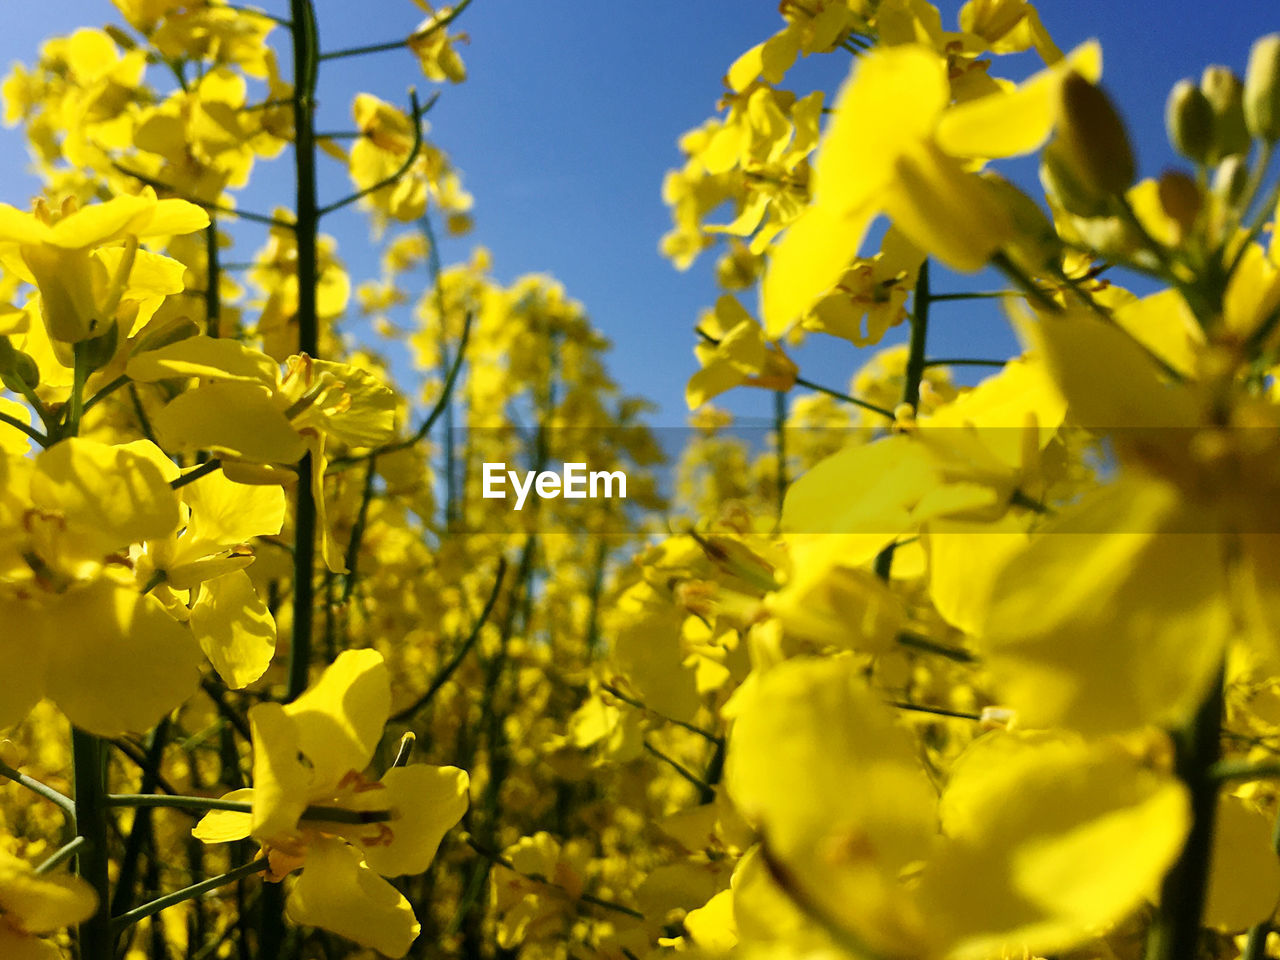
<point x="169" y="802"/>
<point x="63" y="802"/>
<point x="398" y="44"/>
<point x="936" y="711"/>
<point x="91" y="823"/>
<point x="1175" y="932"/>
<point x="305" y="64"/>
<point x="681" y="769"/>
<point x="191" y="476"/>
<point x="641" y="705"/>
<point x="1225" y="771"/>
<point x="923" y="644"/>
<point x="445" y="672"/>
<point x="105" y="392"/>
<point x="973" y="295"/>
<point x="415" y="114"/>
<point x="60" y="855"/>
<point x="779" y="431"/>
<point x="75" y="404"/>
<point x="836" y="394"/>
<point x="126" y="920"/>
<point x="914" y="375"/>
<point x="30" y="431"/>
<point x="494" y="857"/>
<point x="213" y="281"/>
<point x="964" y="362"/>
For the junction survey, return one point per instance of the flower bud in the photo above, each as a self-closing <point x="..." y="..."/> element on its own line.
<point x="1231" y="179"/>
<point x="18" y="372"/>
<point x="1225" y="93"/>
<point x="1095" y="144"/>
<point x="1062" y="185"/>
<point x="1262" y="89"/>
<point x="1035" y="242"/>
<point x="1188" y="117"/>
<point x="1179" y="198"/>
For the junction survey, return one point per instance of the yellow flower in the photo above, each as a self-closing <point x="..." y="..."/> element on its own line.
<point x="78" y="293"/>
<point x="32" y="905"/>
<point x="244" y="409"/>
<point x="893" y="146"/>
<point x="110" y="657"/>
<point x="433" y="46"/>
<point x="1045" y="839"/>
<point x="735" y="353"/>
<point x="313" y="807"/>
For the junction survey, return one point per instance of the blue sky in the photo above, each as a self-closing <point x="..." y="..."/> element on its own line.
<point x="571" y="114"/>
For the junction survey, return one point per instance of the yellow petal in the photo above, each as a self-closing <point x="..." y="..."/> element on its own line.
<point x="220" y="826"/>
<point x="110" y="493"/>
<point x="208" y="357"/>
<point x="337" y="892"/>
<point x="282" y="777"/>
<point x="23" y="664"/>
<point x="339" y="719"/>
<point x="1019" y="121"/>
<point x="117" y="661"/>
<point x="1134" y="627"/>
<point x="241" y="419"/>
<point x="1244" y="879"/>
<point x="43" y="903"/>
<point x="429" y="801"/>
<point x="891" y="102"/>
<point x="816" y="762"/>
<point x="224" y="512"/>
<point x="1109" y="381"/>
<point x="946" y="210"/>
<point x="234" y="628"/>
<point x="808" y="261"/>
<point x="1050" y="841"/>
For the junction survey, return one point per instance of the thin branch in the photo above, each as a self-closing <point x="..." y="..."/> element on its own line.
<point x="917" y="642"/>
<point x="126" y="920"/>
<point x="60" y="855"/>
<point x="964" y="362"/>
<point x="65" y="803"/>
<point x="135" y="753"/>
<point x="973" y="295"/>
<point x="341" y="463"/>
<point x="936" y="711"/>
<point x="415" y="111"/>
<point x="641" y="705"/>
<point x="200" y="804"/>
<point x="106" y="391"/>
<point x="30" y="431"/>
<point x="865" y="405"/>
<point x="206" y="468"/>
<point x="1225" y="771"/>
<point x="435" y="25"/>
<point x="250" y="11"/>
<point x="205" y="204"/>
<point x="680" y="768"/>
<point x="442" y="677"/>
<point x="494" y="857"/>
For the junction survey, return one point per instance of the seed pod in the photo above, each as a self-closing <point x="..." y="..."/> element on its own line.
<point x="1225" y="93"/>
<point x="1189" y="119"/>
<point x="1094" y="141"/>
<point x="1262" y="89"/>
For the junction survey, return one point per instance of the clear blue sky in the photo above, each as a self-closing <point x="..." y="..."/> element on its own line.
<point x="570" y="118"/>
